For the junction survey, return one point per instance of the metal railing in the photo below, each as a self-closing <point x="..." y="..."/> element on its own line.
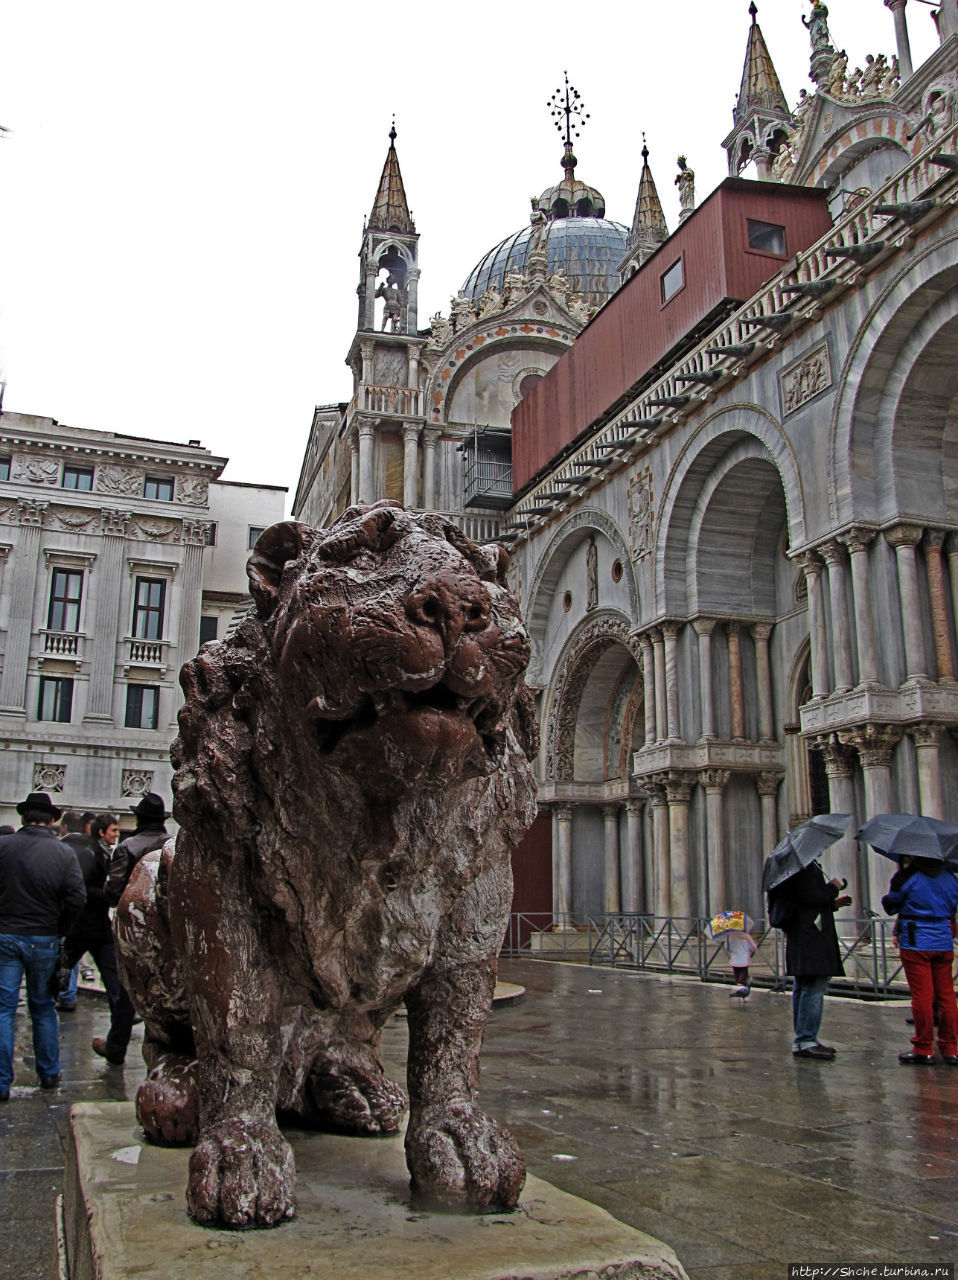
<point x="683" y="945"/>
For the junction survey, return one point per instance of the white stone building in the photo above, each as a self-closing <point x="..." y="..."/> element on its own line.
<point x="105" y="560"/>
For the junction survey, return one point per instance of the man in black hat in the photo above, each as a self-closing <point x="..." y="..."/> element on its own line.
<point x="150" y="834"/>
<point x="41" y="893"/>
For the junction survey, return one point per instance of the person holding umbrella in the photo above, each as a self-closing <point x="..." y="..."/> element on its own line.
<point x="803" y="904"/>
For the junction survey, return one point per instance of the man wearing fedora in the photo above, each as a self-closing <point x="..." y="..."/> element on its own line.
<point x="150" y="834"/>
<point x="41" y="893"/>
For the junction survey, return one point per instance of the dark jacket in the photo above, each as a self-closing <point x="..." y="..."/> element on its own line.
<point x="925" y="901"/>
<point x="93" y="925"/>
<point x="127" y="854"/>
<point x="811" y="943"/>
<point x="41" y="886"/>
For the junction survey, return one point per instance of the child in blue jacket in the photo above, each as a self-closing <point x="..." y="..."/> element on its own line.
<point x="924" y="894"/>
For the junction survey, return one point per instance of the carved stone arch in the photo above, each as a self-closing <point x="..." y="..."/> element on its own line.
<point x="701" y="453"/>
<point x="549" y="568"/>
<point x="579" y="658"/>
<point x="475" y="347"/>
<point x="383" y="249"/>
<point x="912" y="324"/>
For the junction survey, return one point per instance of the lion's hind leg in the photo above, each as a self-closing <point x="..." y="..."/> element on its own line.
<point x="346" y="1088"/>
<point x="167" y="1102"/>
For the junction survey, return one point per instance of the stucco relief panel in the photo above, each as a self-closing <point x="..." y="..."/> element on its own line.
<point x="805" y="379"/>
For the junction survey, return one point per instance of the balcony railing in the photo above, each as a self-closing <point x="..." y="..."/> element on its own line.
<point x="401" y="402"/>
<point x="487" y="480"/>
<point x="866" y="233"/>
<point x="62" y="644"/>
<point x="147" y="653"/>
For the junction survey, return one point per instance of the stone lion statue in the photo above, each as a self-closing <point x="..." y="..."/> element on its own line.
<point x="352" y="773"/>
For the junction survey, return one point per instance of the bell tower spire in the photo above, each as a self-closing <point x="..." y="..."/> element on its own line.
<point x="390" y="246"/>
<point x="761" y="117"/>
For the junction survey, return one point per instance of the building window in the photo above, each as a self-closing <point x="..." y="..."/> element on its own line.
<point x="766" y="237"/>
<point x="56" y="699"/>
<point x="209" y="537"/>
<point x="209" y="625"/>
<point x="149" y="602"/>
<point x="66" y="588"/>
<point x="254" y="532"/>
<point x="142" y="706"/>
<point x="672" y="281"/>
<point x="78" y="478"/>
<point x="159" y="487"/>
<point x="4" y="468"/>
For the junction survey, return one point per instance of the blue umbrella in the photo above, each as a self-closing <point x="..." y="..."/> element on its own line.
<point x="896" y="834"/>
<point x="802" y="845"/>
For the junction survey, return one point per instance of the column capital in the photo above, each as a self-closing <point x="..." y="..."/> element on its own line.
<point x="563" y="812"/>
<point x="875" y="743"/>
<point x="431" y="434"/>
<point x="410" y="433"/>
<point x="761" y="630"/>
<point x="857" y="539"/>
<point x="935" y="537"/>
<point x="678" y="788"/>
<point x="812" y="564"/>
<point x="768" y="782"/>
<point x="895" y="5"/>
<point x="634" y="805"/>
<point x="904" y="535"/>
<point x="704" y="626"/>
<point x="610" y="810"/>
<point x="195" y="532"/>
<point x="643" y="639"/>
<point x="671" y="628"/>
<point x="926" y="735"/>
<point x="733" y="628"/>
<point x="838" y="758"/>
<point x="30" y="511"/>
<point x="366" y="426"/>
<point x="113" y="523"/>
<point x="655" y="634"/>
<point x="832" y="552"/>
<point x="715" y="779"/>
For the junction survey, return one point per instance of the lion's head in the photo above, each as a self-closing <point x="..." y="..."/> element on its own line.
<point x="398" y="649"/>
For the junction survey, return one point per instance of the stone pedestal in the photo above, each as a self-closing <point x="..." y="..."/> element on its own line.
<point x="125" y="1215"/>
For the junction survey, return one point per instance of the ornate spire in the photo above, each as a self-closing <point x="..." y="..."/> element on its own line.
<point x="761" y="88"/>
<point x="390" y="210"/>
<point x="648" y="223"/>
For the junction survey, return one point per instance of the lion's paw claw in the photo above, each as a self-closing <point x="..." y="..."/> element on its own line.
<point x="461" y="1159"/>
<point x="242" y="1175"/>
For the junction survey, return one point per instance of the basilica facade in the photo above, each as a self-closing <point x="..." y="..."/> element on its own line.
<point x="725" y="463"/>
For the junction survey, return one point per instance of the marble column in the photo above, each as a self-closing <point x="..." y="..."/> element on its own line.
<point x="353" y="469"/>
<point x="842" y="858"/>
<point x="934" y="540"/>
<point x="410" y="471"/>
<point x="763" y="679"/>
<point x="767" y="784"/>
<point x="612" y="902"/>
<point x="634" y="878"/>
<point x="562" y="892"/>
<point x="841" y="632"/>
<point x="951" y="547"/>
<point x="856" y="541"/>
<point x="430" y="441"/>
<point x="715" y="781"/>
<point x="812" y="567"/>
<point x="658" y="648"/>
<point x="106" y="623"/>
<point x="927" y="738"/>
<point x="648" y="690"/>
<point x="904" y="538"/>
<point x="875" y="744"/>
<point x="412" y="301"/>
<point x="901" y="37"/>
<point x="735" y="682"/>
<point x="367" y="458"/>
<point x="23" y="566"/>
<point x="670" y="631"/>
<point x="191" y="603"/>
<point x="662" y="877"/>
<point x="703" y="629"/>
<point x="678" y="792"/>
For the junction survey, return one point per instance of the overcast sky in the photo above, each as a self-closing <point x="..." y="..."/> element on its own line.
<point x="184" y="184"/>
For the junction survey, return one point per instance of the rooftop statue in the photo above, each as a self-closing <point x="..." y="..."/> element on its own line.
<point x="352" y="774"/>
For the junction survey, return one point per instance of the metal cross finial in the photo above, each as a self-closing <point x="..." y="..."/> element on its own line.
<point x="567" y="102"/>
<point x="392" y="131"/>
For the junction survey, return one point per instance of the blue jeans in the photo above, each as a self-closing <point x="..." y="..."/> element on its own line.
<point x="808" y="1004"/>
<point x="37" y="958"/>
<point x="69" y="996"/>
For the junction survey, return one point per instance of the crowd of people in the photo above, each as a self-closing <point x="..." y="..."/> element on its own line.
<point x="60" y="875"/>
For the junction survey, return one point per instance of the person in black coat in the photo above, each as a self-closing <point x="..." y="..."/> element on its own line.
<point x="812" y="954"/>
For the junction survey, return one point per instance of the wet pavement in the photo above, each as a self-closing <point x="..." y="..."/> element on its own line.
<point x="680" y="1111"/>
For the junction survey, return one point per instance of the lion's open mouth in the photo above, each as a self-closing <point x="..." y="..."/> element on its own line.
<point x="452" y="714"/>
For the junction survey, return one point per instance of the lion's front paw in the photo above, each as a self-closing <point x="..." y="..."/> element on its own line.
<point x="167" y="1103"/>
<point x="461" y="1159"/>
<point x="241" y="1175"/>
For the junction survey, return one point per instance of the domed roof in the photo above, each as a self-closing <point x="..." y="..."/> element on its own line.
<point x="588" y="250"/>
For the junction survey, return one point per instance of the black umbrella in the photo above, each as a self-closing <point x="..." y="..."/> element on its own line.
<point x="911" y="834"/>
<point x="802" y="845"/>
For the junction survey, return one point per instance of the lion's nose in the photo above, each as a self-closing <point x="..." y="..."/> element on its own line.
<point x="450" y="605"/>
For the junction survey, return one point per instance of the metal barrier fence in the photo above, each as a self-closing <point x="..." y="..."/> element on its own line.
<point x="683" y="945"/>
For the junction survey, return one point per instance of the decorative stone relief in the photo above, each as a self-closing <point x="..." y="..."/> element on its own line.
<point x="136" y="782"/>
<point x="579" y="662"/>
<point x="30" y="511"/>
<point x="122" y="482"/>
<point x="154" y="530"/>
<point x="641" y="515"/>
<point x="71" y="519"/>
<point x="441" y="332"/>
<point x="805" y="380"/>
<point x="389" y="368"/>
<point x="49" y="777"/>
<point x="114" y="523"/>
<point x="194" y="532"/>
<point x="490" y="304"/>
<point x="194" y="490"/>
<point x="35" y="470"/>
